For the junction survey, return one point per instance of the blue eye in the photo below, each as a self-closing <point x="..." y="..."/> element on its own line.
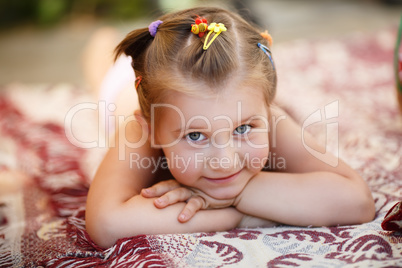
<point x="243" y="129"/>
<point x="195" y="136"/>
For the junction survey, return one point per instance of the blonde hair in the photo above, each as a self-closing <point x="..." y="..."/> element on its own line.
<point x="175" y="60"/>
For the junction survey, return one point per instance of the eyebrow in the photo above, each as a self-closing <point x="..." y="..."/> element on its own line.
<point x="197" y="128"/>
<point x="193" y="129"/>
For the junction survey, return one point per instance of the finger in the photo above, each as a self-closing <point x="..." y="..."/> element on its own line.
<point x="193" y="205"/>
<point x="176" y="195"/>
<point x="160" y="188"/>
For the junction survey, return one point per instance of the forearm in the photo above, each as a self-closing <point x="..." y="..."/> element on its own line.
<point x="316" y="198"/>
<point x="138" y="215"/>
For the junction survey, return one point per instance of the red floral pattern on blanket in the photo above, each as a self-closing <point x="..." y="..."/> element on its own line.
<point x="393" y="219"/>
<point x="44" y="224"/>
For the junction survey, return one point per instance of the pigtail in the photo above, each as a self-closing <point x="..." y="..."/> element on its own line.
<point x="134" y="45"/>
<point x="170" y="39"/>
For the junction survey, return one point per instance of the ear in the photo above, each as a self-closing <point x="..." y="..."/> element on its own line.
<point x="138" y="114"/>
<point x="146" y="126"/>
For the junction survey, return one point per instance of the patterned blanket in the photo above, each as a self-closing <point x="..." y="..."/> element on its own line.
<point x="341" y="90"/>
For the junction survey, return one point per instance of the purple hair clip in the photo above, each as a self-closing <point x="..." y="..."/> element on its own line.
<point x="153" y="27"/>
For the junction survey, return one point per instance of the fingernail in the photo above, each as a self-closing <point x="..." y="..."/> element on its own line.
<point x="161" y="200"/>
<point x="182" y="217"/>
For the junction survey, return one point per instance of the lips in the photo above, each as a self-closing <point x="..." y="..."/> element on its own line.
<point x="223" y="179"/>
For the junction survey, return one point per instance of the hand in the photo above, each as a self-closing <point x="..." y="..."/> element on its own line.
<point x="170" y="192"/>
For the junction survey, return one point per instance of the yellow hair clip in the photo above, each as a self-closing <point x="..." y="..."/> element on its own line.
<point x="214" y="27"/>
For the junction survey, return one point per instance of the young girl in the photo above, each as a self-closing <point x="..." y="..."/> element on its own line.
<point x="197" y="155"/>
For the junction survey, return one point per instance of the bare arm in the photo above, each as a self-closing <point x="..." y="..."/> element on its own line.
<point x="308" y="191"/>
<point x="115" y="208"/>
<point x="303" y="199"/>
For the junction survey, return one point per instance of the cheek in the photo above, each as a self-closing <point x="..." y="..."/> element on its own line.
<point x="258" y="149"/>
<point x="182" y="164"/>
<point x="263" y="154"/>
<point x="260" y="139"/>
<point x="257" y="158"/>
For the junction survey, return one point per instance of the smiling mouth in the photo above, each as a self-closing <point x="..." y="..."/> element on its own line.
<point x="223" y="179"/>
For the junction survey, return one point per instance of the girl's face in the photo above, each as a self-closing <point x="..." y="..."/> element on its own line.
<point x="216" y="143"/>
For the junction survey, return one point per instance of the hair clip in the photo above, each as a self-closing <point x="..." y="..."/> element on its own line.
<point x="200" y="26"/>
<point x="217" y="28"/>
<point x="153" y="27"/>
<point x="137" y="82"/>
<point x="267" y="52"/>
<point x="267" y="37"/>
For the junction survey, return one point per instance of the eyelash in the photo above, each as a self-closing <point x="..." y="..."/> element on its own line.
<point x="245" y="132"/>
<point x="188" y="136"/>
<point x="248" y="126"/>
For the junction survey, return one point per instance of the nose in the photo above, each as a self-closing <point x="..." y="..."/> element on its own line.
<point x="223" y="159"/>
<point x="222" y="138"/>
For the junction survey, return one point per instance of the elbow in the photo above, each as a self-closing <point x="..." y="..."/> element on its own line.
<point x="106" y="226"/>
<point x="357" y="208"/>
<point x="361" y="203"/>
<point x="99" y="229"/>
<point x="369" y="207"/>
<point x="365" y="209"/>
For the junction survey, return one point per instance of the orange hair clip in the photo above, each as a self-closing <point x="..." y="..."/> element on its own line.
<point x="137" y="82"/>
<point x="267" y="37"/>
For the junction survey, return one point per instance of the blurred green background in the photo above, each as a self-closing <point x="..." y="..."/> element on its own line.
<point x="42" y="41"/>
<point x="49" y="12"/>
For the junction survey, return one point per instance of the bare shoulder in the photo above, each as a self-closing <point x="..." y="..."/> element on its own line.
<point x="299" y="149"/>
